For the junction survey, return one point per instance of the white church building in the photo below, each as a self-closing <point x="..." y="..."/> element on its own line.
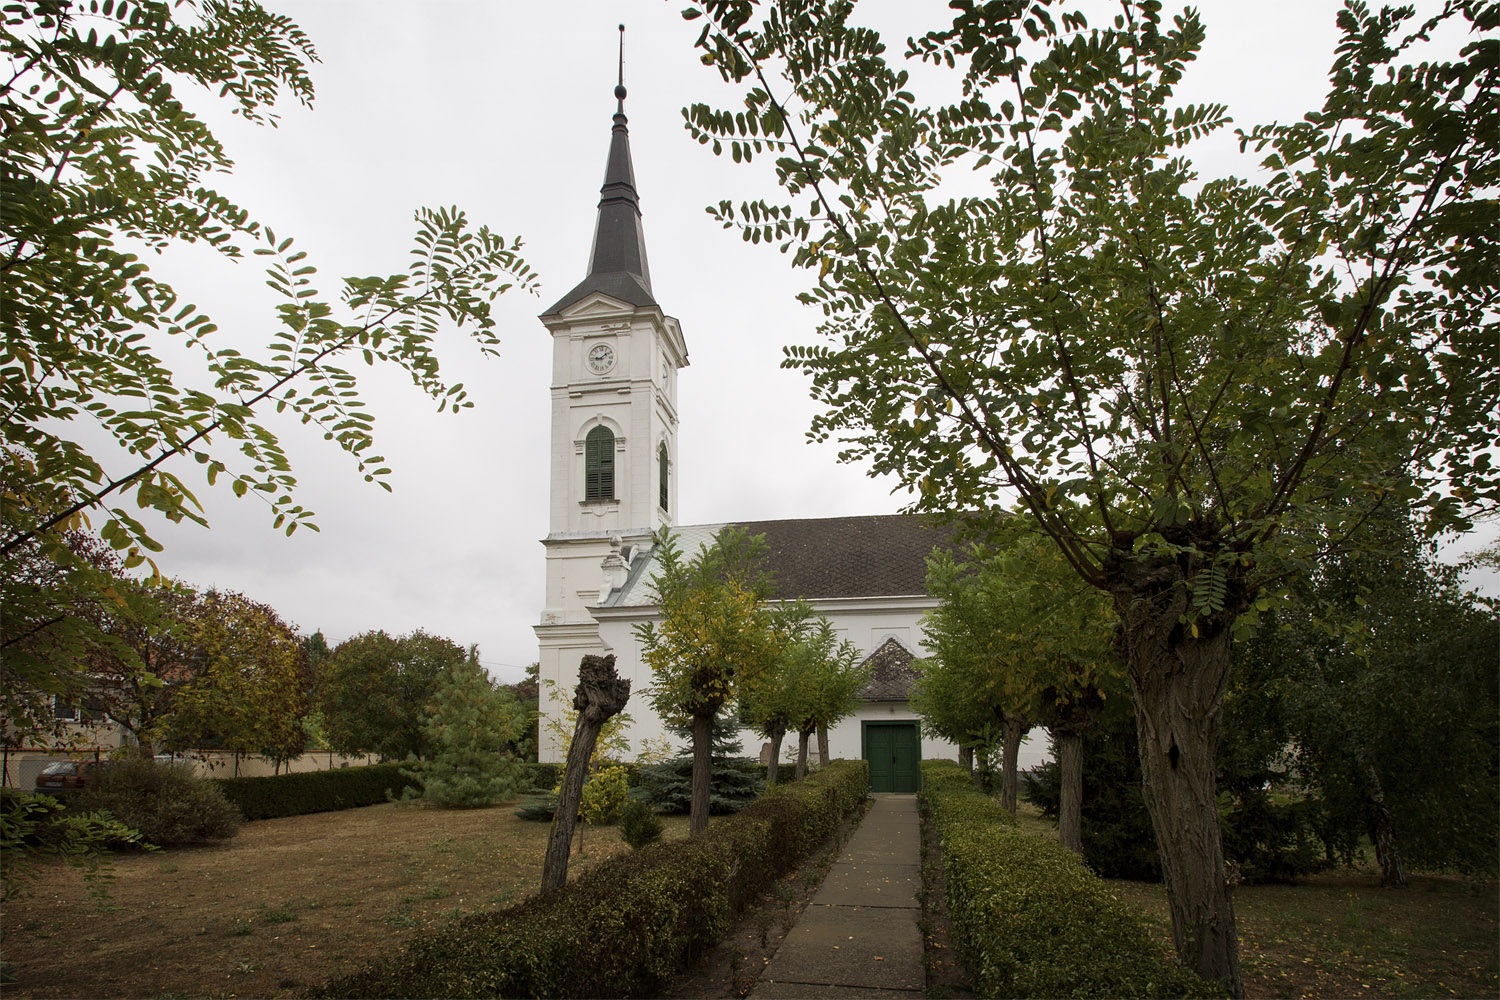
<point x="616" y="359"/>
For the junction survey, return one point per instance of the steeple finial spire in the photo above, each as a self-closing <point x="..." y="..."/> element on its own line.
<point x="620" y="87"/>
<point x="617" y="263"/>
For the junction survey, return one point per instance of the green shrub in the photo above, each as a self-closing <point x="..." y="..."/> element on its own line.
<point x="1029" y="916"/>
<point x="604" y="795"/>
<point x="315" y="791"/>
<point x="543" y="776"/>
<point x="538" y="808"/>
<point x="639" y="824"/>
<point x="625" y="928"/>
<point x="166" y="805"/>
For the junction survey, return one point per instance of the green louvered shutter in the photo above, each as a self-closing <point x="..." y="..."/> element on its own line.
<point x="599" y="465"/>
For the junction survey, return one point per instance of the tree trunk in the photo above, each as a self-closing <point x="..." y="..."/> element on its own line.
<point x="600" y="694"/>
<point x="966" y="758"/>
<point x="1392" y="871"/>
<point x="1070" y="805"/>
<point x="1178" y="680"/>
<point x="822" y="744"/>
<point x="1015" y="731"/>
<point x="775" y="763"/>
<point x="703" y="735"/>
<point x="802" y="738"/>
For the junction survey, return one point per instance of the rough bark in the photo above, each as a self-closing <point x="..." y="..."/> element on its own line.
<point x="1015" y="729"/>
<point x="802" y="738"/>
<point x="600" y="695"/>
<point x="822" y="744"/>
<point x="1178" y="680"/>
<point x="775" y="763"/>
<point x="1070" y="805"/>
<point x="1383" y="836"/>
<point x="703" y="737"/>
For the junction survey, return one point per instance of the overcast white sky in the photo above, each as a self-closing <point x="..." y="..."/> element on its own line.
<point x="503" y="108"/>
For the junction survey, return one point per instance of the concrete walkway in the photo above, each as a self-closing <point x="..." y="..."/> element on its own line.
<point x="858" y="936"/>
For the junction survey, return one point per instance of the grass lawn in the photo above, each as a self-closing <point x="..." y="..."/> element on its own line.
<point x="1339" y="934"/>
<point x="283" y="906"/>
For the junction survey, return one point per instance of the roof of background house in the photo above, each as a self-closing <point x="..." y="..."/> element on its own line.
<point x="893" y="673"/>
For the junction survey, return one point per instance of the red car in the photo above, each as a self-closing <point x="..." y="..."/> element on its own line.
<point x="65" y="774"/>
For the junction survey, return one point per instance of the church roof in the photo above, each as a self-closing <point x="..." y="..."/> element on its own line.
<point x="617" y="263"/>
<point x="882" y="555"/>
<point x="892" y="674"/>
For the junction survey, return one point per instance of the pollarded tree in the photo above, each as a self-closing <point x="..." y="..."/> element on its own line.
<point x="1189" y="383"/>
<point x="103" y="155"/>
<point x="777" y="701"/>
<point x="713" y="637"/>
<point x="981" y="663"/>
<point x="833" y="678"/>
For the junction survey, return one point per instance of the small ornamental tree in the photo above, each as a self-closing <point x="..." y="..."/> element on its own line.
<point x="781" y="695"/>
<point x="471" y="724"/>
<point x="714" y="635"/>
<point x="832" y="678"/>
<point x="1194" y="385"/>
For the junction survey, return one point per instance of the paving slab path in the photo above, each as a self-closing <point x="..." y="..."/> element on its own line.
<point x="859" y="937"/>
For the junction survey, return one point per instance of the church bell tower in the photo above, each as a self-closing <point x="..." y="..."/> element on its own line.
<point x="615" y="359"/>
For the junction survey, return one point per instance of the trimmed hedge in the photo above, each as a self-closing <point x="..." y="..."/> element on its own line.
<point x="1029" y="916"/>
<point x="316" y="791"/>
<point x="624" y="928"/>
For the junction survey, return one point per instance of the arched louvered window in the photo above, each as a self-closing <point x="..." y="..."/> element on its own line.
<point x="599" y="465"/>
<point x="661" y="474"/>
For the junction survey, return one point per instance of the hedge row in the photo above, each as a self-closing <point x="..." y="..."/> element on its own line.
<point x="1029" y="916"/>
<point x="315" y="791"/>
<point x="624" y="928"/>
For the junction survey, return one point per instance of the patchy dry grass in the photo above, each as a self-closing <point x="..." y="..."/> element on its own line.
<point x="1341" y="935"/>
<point x="283" y="906"/>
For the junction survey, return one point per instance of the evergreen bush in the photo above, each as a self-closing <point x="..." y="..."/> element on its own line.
<point x="639" y="824"/>
<point x="1030" y="919"/>
<point x="471" y="726"/>
<point x="166" y="805"/>
<point x="625" y="928"/>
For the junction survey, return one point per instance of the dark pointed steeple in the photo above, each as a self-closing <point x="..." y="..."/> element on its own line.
<point x="617" y="264"/>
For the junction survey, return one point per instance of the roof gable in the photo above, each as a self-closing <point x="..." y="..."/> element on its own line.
<point x="892" y="673"/>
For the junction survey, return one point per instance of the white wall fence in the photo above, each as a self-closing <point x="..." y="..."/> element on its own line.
<point x="23" y="764"/>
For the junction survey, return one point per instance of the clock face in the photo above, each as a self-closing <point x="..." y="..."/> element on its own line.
<point x="601" y="358"/>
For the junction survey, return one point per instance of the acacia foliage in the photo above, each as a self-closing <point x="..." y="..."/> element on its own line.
<point x="714" y="634"/>
<point x="104" y="163"/>
<point x="1191" y="384"/>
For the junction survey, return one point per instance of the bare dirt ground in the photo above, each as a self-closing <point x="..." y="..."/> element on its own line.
<point x="283" y="906"/>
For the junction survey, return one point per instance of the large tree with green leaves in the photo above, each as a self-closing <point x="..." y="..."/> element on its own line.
<point x="375" y="689"/>
<point x="713" y="638"/>
<point x="104" y="163"/>
<point x="1192" y="384"/>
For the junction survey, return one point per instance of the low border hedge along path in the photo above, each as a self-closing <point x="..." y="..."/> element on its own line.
<point x="627" y="927"/>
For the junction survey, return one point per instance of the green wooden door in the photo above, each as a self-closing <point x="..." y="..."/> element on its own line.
<point x="893" y="752"/>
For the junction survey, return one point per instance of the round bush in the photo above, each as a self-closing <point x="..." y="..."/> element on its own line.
<point x="639" y="824"/>
<point x="167" y="804"/>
